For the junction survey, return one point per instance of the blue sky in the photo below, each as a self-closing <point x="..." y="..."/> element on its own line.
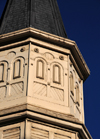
<point x="82" y="23"/>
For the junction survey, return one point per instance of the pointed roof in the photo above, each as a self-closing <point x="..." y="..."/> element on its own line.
<point x="40" y="14"/>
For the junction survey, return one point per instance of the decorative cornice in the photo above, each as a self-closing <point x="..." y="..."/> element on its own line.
<point x="39" y="35"/>
<point x="28" y="107"/>
<point x="30" y="112"/>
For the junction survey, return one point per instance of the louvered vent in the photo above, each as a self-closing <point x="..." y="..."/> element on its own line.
<point x="13" y="133"/>
<point x="39" y="133"/>
<point x="58" y="136"/>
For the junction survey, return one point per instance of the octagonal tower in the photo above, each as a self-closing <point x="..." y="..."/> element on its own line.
<point x="41" y="74"/>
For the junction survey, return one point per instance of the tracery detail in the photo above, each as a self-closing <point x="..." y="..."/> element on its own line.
<point x="77" y="94"/>
<point x="1" y="72"/>
<point x="17" y="68"/>
<point x="71" y="83"/>
<point x="56" y="74"/>
<point x="40" y="69"/>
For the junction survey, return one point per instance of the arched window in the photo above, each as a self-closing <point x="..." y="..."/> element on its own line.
<point x="17" y="68"/>
<point x="56" y="74"/>
<point x="72" y="83"/>
<point x="1" y="72"/>
<point x="77" y="94"/>
<point x="40" y="69"/>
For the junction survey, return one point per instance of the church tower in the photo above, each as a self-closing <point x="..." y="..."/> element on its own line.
<point x="41" y="74"/>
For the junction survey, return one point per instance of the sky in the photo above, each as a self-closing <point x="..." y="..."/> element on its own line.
<point x="81" y="19"/>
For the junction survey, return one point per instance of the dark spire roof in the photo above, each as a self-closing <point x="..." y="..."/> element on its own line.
<point x="40" y="14"/>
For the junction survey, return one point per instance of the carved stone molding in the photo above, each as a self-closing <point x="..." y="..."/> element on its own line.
<point x="61" y="57"/>
<point x="22" y="49"/>
<point x="40" y="110"/>
<point x="11" y="54"/>
<point x="36" y="50"/>
<point x="49" y="56"/>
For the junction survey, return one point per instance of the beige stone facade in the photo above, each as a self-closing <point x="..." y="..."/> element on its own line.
<point x="41" y="87"/>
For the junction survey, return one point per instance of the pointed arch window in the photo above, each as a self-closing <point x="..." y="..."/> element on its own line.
<point x="72" y="83"/>
<point x="17" y="68"/>
<point x="40" y="69"/>
<point x="77" y="94"/>
<point x="56" y="74"/>
<point x="1" y="72"/>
